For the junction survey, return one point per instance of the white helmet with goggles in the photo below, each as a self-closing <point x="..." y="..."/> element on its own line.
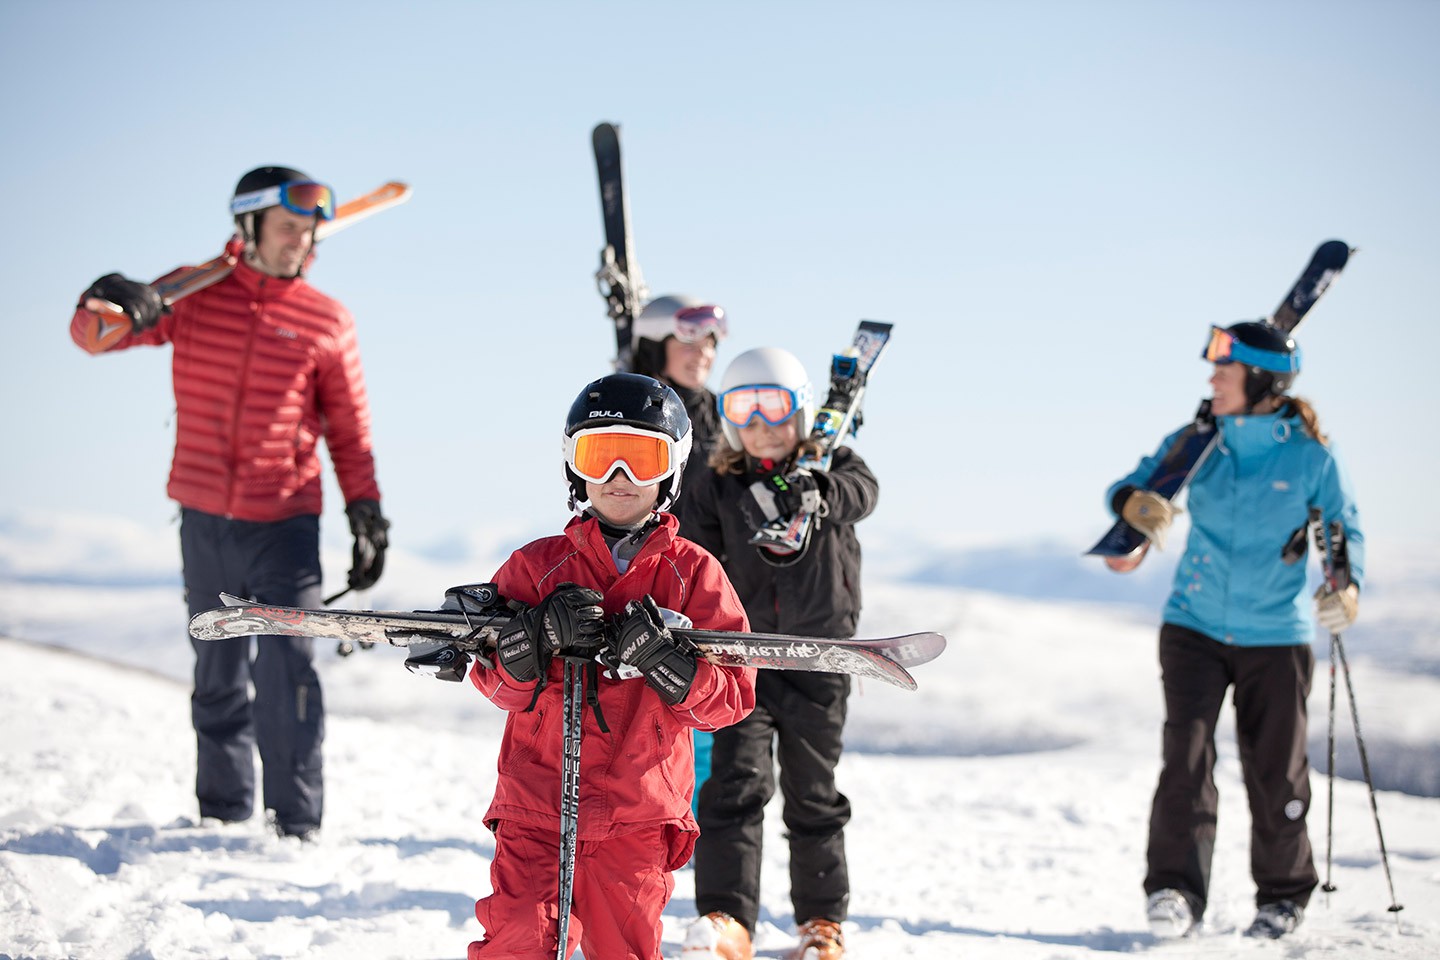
<point x="768" y="383"/>
<point x="685" y="318"/>
<point x="627" y="422"/>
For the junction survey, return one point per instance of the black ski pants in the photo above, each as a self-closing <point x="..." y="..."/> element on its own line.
<point x="1271" y="684"/>
<point x="275" y="563"/>
<point x="799" y="719"/>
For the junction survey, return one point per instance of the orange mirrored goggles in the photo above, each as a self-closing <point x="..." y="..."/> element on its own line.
<point x="1225" y="347"/>
<point x="770" y="402"/>
<point x="645" y="457"/>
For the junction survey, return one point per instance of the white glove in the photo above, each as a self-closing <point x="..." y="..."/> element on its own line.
<point x="1151" y="514"/>
<point x="1336" y="609"/>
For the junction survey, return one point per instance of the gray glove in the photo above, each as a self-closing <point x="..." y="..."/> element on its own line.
<point x="1151" y="514"/>
<point x="1337" y="609"/>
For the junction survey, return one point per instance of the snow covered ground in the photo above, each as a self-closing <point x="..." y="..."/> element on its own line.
<point x="1000" y="810"/>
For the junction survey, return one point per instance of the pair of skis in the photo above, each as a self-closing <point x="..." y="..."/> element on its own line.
<point x="474" y="630"/>
<point x="112" y="323"/>
<point x="618" y="278"/>
<point x="1122" y="546"/>
<point x="835" y="422"/>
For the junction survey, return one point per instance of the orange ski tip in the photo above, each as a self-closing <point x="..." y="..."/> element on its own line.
<point x="387" y="194"/>
<point x="108" y="325"/>
<point x="381" y="198"/>
<point x="1130" y="561"/>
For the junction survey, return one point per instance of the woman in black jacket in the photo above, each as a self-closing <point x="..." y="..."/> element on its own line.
<point x="767" y="407"/>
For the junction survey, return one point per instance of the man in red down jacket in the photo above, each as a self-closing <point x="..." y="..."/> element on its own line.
<point x="264" y="367"/>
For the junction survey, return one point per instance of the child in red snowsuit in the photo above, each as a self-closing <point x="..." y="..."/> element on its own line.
<point x="626" y="442"/>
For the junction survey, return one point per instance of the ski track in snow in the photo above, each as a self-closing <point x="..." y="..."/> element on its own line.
<point x="1000" y="811"/>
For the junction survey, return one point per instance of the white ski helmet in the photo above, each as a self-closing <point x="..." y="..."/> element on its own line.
<point x="672" y="315"/>
<point x="768" y="366"/>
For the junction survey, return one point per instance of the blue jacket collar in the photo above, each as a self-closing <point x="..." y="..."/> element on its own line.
<point x="1249" y="434"/>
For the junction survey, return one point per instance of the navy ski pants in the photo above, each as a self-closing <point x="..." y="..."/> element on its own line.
<point x="799" y="719"/>
<point x="275" y="563"/>
<point x="1271" y="685"/>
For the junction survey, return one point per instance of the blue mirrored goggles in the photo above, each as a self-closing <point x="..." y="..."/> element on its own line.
<point x="304" y="197"/>
<point x="1225" y="347"/>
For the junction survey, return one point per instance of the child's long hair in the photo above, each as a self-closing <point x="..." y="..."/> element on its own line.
<point x="1308" y="417"/>
<point x="726" y="459"/>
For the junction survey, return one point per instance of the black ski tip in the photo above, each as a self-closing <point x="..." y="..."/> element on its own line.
<point x="1120" y="540"/>
<point x="1333" y="254"/>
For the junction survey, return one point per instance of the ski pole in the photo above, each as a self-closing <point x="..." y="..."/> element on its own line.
<point x="1334" y="563"/>
<point x="569" y="797"/>
<point x="1330" y="776"/>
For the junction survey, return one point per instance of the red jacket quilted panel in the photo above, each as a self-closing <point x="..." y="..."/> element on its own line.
<point x="263" y="368"/>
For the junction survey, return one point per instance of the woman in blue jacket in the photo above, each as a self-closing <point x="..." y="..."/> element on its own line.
<point x="1239" y="616"/>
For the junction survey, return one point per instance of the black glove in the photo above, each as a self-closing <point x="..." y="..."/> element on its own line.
<point x="645" y="643"/>
<point x="140" y="301"/>
<point x="778" y="496"/>
<point x="367" y="559"/>
<point x="569" y="620"/>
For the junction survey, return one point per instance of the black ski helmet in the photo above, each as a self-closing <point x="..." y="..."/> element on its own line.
<point x="260" y="178"/>
<point x="1270" y="356"/>
<point x="635" y="400"/>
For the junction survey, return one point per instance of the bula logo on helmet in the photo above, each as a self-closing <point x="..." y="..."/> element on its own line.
<point x="606" y="414"/>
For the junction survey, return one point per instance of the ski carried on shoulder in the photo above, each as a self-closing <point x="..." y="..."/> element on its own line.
<point x="183" y="281"/>
<point x="475" y="628"/>
<point x="619" y="277"/>
<point x="1122" y="546"/>
<point x="835" y="422"/>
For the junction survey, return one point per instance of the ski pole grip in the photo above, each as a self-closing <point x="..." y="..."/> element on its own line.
<point x="1322" y="545"/>
<point x="1339" y="555"/>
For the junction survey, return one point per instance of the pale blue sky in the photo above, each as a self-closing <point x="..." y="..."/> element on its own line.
<point x="1051" y="202"/>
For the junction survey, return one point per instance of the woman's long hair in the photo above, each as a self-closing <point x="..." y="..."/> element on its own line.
<point x="1308" y="417"/>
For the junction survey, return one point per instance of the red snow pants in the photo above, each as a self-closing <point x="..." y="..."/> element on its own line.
<point x="621" y="887"/>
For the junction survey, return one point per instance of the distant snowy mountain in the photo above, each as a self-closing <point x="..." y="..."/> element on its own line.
<point x="112" y="588"/>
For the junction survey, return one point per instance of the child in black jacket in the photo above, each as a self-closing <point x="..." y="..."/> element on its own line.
<point x="767" y="408"/>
